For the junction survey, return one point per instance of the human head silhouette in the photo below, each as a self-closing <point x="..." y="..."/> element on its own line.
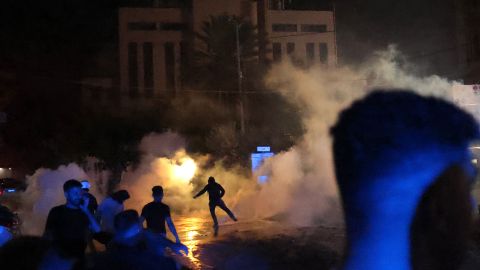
<point x="389" y="149"/>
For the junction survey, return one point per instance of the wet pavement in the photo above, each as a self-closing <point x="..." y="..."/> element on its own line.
<point x="258" y="244"/>
<point x="193" y="232"/>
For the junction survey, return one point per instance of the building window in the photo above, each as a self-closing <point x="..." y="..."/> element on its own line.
<point x="280" y="27"/>
<point x="172" y="26"/>
<point x="148" y="68"/>
<point x="277" y="51"/>
<point x="163" y="3"/>
<point x="132" y="69"/>
<point x="142" y="26"/>
<point x="290" y="48"/>
<point x="310" y="49"/>
<point x="276" y="4"/>
<point x="317" y="28"/>
<point x="170" y="66"/>
<point x="323" y="53"/>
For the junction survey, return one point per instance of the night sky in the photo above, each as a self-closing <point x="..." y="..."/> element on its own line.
<point x="38" y="30"/>
<point x="423" y="30"/>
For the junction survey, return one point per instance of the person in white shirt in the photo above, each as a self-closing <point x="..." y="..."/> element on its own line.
<point x="109" y="207"/>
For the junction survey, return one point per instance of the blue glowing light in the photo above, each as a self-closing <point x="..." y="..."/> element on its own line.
<point x="263" y="152"/>
<point x="263" y="148"/>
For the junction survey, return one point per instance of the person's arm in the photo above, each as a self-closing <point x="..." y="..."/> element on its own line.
<point x="172" y="228"/>
<point x="142" y="216"/>
<point x="94" y="226"/>
<point x="99" y="213"/>
<point x="222" y="190"/>
<point x="94" y="203"/>
<point x="200" y="193"/>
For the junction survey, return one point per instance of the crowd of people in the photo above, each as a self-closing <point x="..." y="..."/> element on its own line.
<point x="71" y="228"/>
<point x="404" y="172"/>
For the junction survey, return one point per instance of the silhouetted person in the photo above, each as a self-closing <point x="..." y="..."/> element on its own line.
<point x="404" y="171"/>
<point x="215" y="194"/>
<point x="92" y="201"/>
<point x="69" y="225"/>
<point x="7" y="219"/>
<point x="111" y="206"/>
<point x="128" y="249"/>
<point x="157" y="213"/>
<point x="32" y="253"/>
<point x="92" y="206"/>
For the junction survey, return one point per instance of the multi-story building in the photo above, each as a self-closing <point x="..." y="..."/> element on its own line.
<point x="306" y="36"/>
<point x="468" y="39"/>
<point x="156" y="38"/>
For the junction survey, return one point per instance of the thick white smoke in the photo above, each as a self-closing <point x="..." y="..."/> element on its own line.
<point x="165" y="162"/>
<point x="301" y="189"/>
<point x="302" y="183"/>
<point x="44" y="191"/>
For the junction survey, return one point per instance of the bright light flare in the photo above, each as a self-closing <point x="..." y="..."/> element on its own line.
<point x="191" y="235"/>
<point x="185" y="170"/>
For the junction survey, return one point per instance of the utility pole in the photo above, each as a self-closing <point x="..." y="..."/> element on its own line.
<point x="240" y="77"/>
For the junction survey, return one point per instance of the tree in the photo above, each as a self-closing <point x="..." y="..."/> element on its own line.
<point x="114" y="139"/>
<point x="216" y="57"/>
<point x="51" y="128"/>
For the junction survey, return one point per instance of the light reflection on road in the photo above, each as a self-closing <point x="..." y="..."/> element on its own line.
<point x="193" y="231"/>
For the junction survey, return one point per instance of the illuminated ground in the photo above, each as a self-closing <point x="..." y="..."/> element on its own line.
<point x="259" y="244"/>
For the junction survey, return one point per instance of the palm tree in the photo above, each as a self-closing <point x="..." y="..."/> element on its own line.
<point x="216" y="54"/>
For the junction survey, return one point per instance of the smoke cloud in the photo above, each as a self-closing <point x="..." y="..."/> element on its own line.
<point x="301" y="189"/>
<point x="302" y="183"/>
<point x="44" y="191"/>
<point x="166" y="163"/>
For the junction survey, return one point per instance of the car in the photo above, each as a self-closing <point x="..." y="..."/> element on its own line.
<point x="10" y="220"/>
<point x="11" y="185"/>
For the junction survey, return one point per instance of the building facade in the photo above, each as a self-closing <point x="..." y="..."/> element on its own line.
<point x="156" y="39"/>
<point x="468" y="39"/>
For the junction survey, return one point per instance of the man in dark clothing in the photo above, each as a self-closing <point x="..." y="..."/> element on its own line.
<point x="157" y="214"/>
<point x="215" y="194"/>
<point x="7" y="220"/>
<point x="68" y="226"/>
<point x="92" y="206"/>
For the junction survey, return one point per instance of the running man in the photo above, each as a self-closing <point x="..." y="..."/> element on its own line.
<point x="215" y="194"/>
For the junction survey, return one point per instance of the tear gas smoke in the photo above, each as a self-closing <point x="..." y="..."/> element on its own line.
<point x="301" y="189"/>
<point x="180" y="175"/>
<point x="302" y="179"/>
<point x="44" y="191"/>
